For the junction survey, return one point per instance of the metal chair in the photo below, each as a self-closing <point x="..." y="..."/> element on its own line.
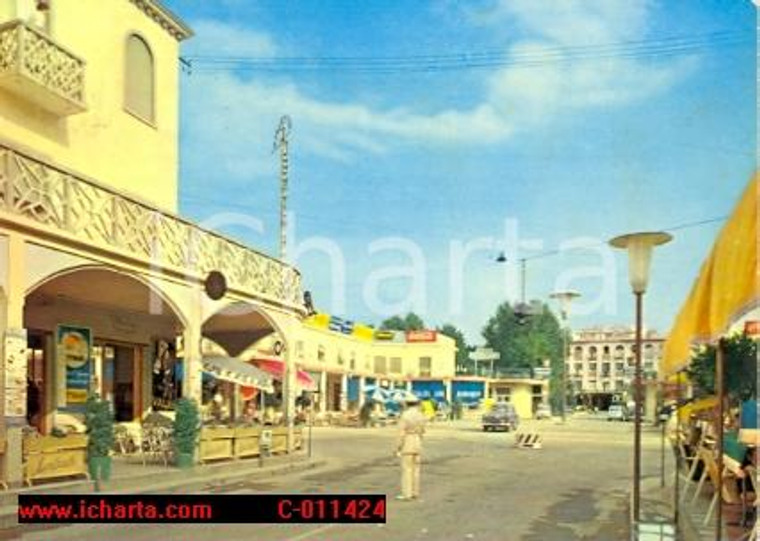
<point x="156" y="443"/>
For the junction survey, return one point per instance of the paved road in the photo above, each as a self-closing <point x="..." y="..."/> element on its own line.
<point x="475" y="485"/>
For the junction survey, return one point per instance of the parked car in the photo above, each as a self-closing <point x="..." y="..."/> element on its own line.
<point x="501" y="416"/>
<point x="617" y="412"/>
<point x="543" y="411"/>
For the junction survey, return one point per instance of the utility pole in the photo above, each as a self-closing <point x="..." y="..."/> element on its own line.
<point x="281" y="143"/>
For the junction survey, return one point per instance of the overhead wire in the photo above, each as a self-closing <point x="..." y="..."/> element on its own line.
<point x="667" y="46"/>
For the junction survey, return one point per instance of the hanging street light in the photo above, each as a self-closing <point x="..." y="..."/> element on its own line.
<point x="639" y="247"/>
<point x="522" y="309"/>
<point x="564" y="298"/>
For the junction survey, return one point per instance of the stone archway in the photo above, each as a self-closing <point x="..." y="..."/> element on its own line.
<point x="124" y="315"/>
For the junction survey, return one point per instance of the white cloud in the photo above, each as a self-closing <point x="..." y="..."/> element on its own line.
<point x="532" y="94"/>
<point x="232" y="116"/>
<point x="215" y="38"/>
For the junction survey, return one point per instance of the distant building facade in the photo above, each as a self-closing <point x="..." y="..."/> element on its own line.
<point x="600" y="366"/>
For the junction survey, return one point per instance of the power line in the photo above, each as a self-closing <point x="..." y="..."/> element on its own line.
<point x="687" y="225"/>
<point x="471" y="60"/>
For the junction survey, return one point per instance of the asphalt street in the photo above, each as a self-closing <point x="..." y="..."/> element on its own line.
<point x="475" y="485"/>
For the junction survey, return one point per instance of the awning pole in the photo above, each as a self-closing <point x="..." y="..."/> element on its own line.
<point x="676" y="481"/>
<point x="720" y="391"/>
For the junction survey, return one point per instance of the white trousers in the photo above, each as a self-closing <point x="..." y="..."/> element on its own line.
<point x="410" y="475"/>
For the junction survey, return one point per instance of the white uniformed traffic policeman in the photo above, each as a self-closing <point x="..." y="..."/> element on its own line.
<point x="411" y="429"/>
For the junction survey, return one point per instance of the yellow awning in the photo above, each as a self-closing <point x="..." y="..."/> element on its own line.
<point x="685" y="411"/>
<point x="726" y="288"/>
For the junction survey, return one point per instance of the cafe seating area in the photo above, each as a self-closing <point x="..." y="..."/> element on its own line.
<point x="704" y="486"/>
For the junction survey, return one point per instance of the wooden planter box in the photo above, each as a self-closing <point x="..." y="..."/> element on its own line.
<point x="216" y="443"/>
<point x="49" y="457"/>
<point x="279" y="440"/>
<point x="247" y="442"/>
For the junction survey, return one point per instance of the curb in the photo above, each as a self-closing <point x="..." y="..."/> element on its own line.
<point x="198" y="483"/>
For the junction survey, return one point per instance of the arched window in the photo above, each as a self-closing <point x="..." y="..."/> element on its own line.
<point x="139" y="91"/>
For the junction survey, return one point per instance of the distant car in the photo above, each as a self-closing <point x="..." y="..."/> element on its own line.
<point x="502" y="416"/>
<point x="543" y="411"/>
<point x="617" y="412"/>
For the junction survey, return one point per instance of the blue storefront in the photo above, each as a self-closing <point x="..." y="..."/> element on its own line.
<point x="468" y="392"/>
<point x="353" y="389"/>
<point x="433" y="389"/>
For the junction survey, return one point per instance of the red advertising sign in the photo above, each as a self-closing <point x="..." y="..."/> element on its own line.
<point x="421" y="336"/>
<point x="752" y="327"/>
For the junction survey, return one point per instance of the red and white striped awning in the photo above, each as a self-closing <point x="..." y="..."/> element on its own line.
<point x="276" y="368"/>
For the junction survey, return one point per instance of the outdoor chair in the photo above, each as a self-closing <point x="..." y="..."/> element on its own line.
<point x="727" y="491"/>
<point x="751" y="476"/>
<point x="127" y="439"/>
<point x="693" y="460"/>
<point x="156" y="444"/>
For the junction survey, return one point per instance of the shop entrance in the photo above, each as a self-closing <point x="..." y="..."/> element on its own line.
<point x="121" y="370"/>
<point x="333" y="392"/>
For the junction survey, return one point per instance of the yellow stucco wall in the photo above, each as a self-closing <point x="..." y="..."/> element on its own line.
<point x="105" y="143"/>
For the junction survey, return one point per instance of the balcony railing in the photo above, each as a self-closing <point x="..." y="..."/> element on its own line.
<point x="39" y="70"/>
<point x="40" y="195"/>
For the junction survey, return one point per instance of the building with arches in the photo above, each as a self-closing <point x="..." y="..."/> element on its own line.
<point x="601" y="363"/>
<point x="92" y="252"/>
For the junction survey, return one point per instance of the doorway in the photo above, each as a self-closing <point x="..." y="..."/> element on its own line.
<point x="121" y="378"/>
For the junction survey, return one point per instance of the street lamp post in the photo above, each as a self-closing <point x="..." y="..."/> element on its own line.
<point x="564" y="298"/>
<point x="639" y="247"/>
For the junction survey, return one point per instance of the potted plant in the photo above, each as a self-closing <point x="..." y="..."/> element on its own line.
<point x="186" y="429"/>
<point x="99" y="423"/>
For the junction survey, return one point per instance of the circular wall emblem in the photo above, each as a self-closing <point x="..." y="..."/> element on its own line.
<point x="215" y="285"/>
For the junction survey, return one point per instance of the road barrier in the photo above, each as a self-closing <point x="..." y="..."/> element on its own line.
<point x="528" y="440"/>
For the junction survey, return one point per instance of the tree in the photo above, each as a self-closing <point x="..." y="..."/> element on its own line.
<point x="525" y="343"/>
<point x="463" y="350"/>
<point x="740" y="362"/>
<point x="410" y="322"/>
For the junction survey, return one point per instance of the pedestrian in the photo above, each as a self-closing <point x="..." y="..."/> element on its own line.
<point x="411" y="429"/>
<point x="365" y="413"/>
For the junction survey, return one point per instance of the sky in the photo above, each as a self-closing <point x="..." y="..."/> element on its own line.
<point x="428" y="137"/>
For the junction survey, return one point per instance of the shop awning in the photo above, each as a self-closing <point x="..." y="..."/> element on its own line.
<point x="237" y="371"/>
<point x="276" y="368"/>
<point x="685" y="411"/>
<point x="726" y="288"/>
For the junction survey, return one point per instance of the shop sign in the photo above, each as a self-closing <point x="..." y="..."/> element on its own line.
<point x="265" y="440"/>
<point x="73" y="346"/>
<point x="15" y="372"/>
<point x="752" y="328"/>
<point x="363" y="332"/>
<point x="385" y="335"/>
<point x="341" y="325"/>
<point x="421" y="336"/>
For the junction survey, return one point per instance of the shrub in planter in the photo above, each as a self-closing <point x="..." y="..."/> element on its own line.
<point x="99" y="422"/>
<point x="186" y="429"/>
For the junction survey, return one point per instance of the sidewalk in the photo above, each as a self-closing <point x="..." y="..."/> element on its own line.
<point x="134" y="478"/>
